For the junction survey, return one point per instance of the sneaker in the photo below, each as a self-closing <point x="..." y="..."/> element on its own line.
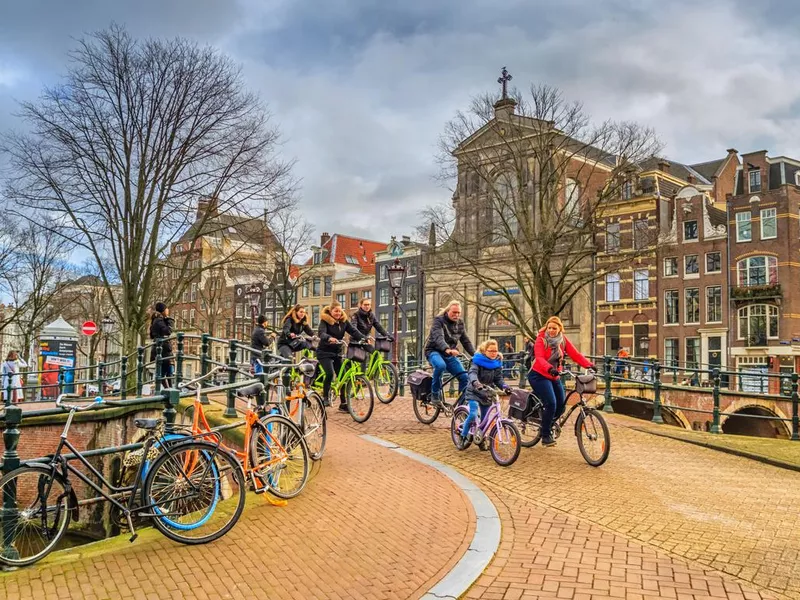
<point x="483" y="446"/>
<point x="436" y="400"/>
<point x="326" y="402"/>
<point x="343" y="408"/>
<point x="548" y="441"/>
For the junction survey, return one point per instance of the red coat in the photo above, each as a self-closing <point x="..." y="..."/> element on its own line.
<point x="541" y="356"/>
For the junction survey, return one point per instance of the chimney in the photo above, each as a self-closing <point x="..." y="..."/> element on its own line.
<point x="324" y="238"/>
<point x="663" y="165"/>
<point x="406" y="240"/>
<point x="207" y="204"/>
<point x="691" y="179"/>
<point x="732" y="151"/>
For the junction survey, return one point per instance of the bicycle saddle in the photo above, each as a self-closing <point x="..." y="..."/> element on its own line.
<point x="147" y="424"/>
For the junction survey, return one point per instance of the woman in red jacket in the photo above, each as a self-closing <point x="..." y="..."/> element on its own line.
<point x="548" y="359"/>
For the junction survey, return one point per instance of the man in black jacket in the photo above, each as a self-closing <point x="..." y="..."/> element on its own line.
<point x="259" y="340"/>
<point x="441" y="349"/>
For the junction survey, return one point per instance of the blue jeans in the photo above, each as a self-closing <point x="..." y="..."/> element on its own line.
<point x="551" y="393"/>
<point x="474" y="405"/>
<point x="452" y="365"/>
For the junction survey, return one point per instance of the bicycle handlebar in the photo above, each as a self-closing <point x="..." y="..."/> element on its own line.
<point x="99" y="400"/>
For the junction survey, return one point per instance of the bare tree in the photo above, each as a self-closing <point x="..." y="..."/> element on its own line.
<point x="534" y="180"/>
<point x="122" y="150"/>
<point x="293" y="240"/>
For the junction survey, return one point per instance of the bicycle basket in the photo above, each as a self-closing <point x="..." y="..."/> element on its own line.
<point x="383" y="345"/>
<point x="313" y="367"/>
<point x="356" y="353"/>
<point x="518" y="404"/>
<point x="586" y="384"/>
<point x="420" y="383"/>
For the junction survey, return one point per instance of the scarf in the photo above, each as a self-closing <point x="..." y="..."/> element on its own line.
<point x="556" y="354"/>
<point x="486" y="362"/>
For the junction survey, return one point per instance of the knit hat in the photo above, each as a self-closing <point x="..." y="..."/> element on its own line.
<point x="160" y="307"/>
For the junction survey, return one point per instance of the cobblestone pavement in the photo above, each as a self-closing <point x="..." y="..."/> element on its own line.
<point x="359" y="530"/>
<point x="661" y="518"/>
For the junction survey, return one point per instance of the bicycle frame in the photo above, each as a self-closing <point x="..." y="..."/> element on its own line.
<point x="492" y="418"/>
<point x="376" y="361"/>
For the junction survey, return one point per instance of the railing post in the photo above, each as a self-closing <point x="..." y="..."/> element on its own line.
<point x="158" y="379"/>
<point x="401" y="384"/>
<point x="179" y="359"/>
<point x="204" y="364"/>
<point x="230" y="409"/>
<point x="657" y="418"/>
<point x="262" y="397"/>
<point x="123" y="377"/>
<point x="139" y="370"/>
<point x="60" y="380"/>
<point x="101" y="370"/>
<point x="10" y="462"/>
<point x="172" y="398"/>
<point x="795" y="418"/>
<point x="607" y="407"/>
<point x="715" y="428"/>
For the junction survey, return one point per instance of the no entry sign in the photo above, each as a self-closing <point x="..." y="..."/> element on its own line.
<point x="89" y="328"/>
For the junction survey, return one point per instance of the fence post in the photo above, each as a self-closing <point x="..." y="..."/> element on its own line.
<point x="157" y="378"/>
<point x="401" y="384"/>
<point x="607" y="407"/>
<point x="60" y="380"/>
<point x="230" y="409"/>
<point x="10" y="462"/>
<point x="262" y="397"/>
<point x="204" y="365"/>
<point x="123" y="377"/>
<point x="715" y="428"/>
<point x="8" y="393"/>
<point x="657" y="418"/>
<point x="171" y="397"/>
<point x="139" y="370"/>
<point x="795" y="418"/>
<point x="179" y="359"/>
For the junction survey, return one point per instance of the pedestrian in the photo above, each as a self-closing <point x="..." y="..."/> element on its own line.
<point x="12" y="379"/>
<point x="259" y="341"/>
<point x="161" y="327"/>
<point x="333" y="324"/>
<point x="508" y="363"/>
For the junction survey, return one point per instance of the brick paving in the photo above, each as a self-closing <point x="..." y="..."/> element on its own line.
<point x="661" y="519"/>
<point x="359" y="530"/>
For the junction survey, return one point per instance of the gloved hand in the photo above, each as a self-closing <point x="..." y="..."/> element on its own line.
<point x="507" y="391"/>
<point x="478" y="386"/>
<point x="390" y="338"/>
<point x="553" y="372"/>
<point x="592" y="368"/>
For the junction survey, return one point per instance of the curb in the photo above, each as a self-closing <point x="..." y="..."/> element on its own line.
<point x="485" y="541"/>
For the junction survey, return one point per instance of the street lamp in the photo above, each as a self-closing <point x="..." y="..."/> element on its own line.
<point x="254" y="296"/>
<point x="397" y="275"/>
<point x="106" y="325"/>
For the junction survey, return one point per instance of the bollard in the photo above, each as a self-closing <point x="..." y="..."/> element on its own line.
<point x="657" y="418"/>
<point x="139" y="370"/>
<point x="158" y="379"/>
<point x="179" y="360"/>
<point x="204" y="365"/>
<point x="172" y="397"/>
<point x="795" y="418"/>
<point x="123" y="378"/>
<point x="13" y="417"/>
<point x="230" y="409"/>
<point x="715" y="428"/>
<point x="607" y="407"/>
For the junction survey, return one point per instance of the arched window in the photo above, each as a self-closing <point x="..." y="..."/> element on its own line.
<point x="572" y="194"/>
<point x="505" y="220"/>
<point x="757" y="270"/>
<point x="758" y="323"/>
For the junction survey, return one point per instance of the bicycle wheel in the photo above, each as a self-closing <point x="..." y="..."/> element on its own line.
<point x="279" y="456"/>
<point x="315" y="425"/>
<point x="504" y="444"/>
<point x="456" y="427"/>
<point x="32" y="528"/>
<point x="425" y="412"/>
<point x="594" y="440"/>
<point x="386" y="382"/>
<point x="530" y="429"/>
<point x="196" y="492"/>
<point x="360" y="399"/>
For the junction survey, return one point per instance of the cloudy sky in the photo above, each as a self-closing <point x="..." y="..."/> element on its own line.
<point x="362" y="88"/>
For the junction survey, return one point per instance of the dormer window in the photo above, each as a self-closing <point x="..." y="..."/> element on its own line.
<point x="627" y="190"/>
<point x="797" y="177"/>
<point x="755" y="180"/>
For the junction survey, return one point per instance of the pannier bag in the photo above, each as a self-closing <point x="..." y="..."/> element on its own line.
<point x="356" y="353"/>
<point x="586" y="384"/>
<point x="383" y="345"/>
<point x="518" y="404"/>
<point x="420" y="383"/>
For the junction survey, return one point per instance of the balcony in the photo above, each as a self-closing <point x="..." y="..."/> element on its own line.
<point x="746" y="294"/>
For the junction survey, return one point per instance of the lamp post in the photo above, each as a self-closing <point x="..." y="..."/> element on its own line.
<point x="106" y="325"/>
<point x="254" y="296"/>
<point x="397" y="275"/>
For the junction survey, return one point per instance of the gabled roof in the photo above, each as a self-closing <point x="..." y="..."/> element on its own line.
<point x="709" y="168"/>
<point x="237" y="228"/>
<point x="676" y="169"/>
<point x="352" y="251"/>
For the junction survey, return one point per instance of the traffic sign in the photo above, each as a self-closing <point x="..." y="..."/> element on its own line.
<point x="89" y="328"/>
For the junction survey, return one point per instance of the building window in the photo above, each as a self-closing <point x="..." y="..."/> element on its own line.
<point x="692" y="296"/>
<point x="612" y="237"/>
<point x="192" y="315"/>
<point x="627" y="190"/>
<point x="612" y="340"/>
<point x="315" y="287"/>
<point x="341" y="298"/>
<point x="713" y="262"/>
<point x="612" y="287"/>
<point x="383" y="297"/>
<point x="758" y="323"/>
<point x="641" y="234"/>
<point x="671" y="352"/>
<point x="797" y="177"/>
<point x="411" y="269"/>
<point x="689" y="230"/>
<point x="693" y="353"/>
<point x="186" y="296"/>
<point x="184" y="317"/>
<point x="305" y="289"/>
<point x="384" y="319"/>
<point x="572" y="209"/>
<point x="755" y="181"/>
<point x="353" y="299"/>
<point x="351" y="260"/>
<point x="714" y="304"/>
<point x="641" y="340"/>
<point x="367" y="294"/>
<point x="744" y="228"/>
<point x="383" y="271"/>
<point x="328" y="286"/>
<point x="671" y="306"/>
<point x="641" y="285"/>
<point x="315" y="316"/>
<point x="769" y="223"/>
<point x="411" y="321"/>
<point x="690" y="265"/>
<point x="671" y="266"/>
<point x="239" y="311"/>
<point x="757" y="270"/>
<point x="411" y="292"/>
<point x="194" y="292"/>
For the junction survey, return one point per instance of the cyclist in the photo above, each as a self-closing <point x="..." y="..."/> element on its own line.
<point x="333" y="324"/>
<point x="259" y="340"/>
<point x="545" y="375"/>
<point x="486" y="371"/>
<point x="365" y="320"/>
<point x="446" y="332"/>
<point x="295" y="323"/>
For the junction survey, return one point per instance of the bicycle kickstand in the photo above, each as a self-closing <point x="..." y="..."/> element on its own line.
<point x="134" y="535"/>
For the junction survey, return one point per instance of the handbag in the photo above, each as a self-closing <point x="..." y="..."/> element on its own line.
<point x="586" y="384"/>
<point x="518" y="404"/>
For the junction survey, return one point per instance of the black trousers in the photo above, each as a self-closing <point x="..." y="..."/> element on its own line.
<point x="331" y="366"/>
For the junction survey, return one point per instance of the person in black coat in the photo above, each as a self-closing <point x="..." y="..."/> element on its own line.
<point x="161" y="326"/>
<point x="365" y="321"/>
<point x="441" y="350"/>
<point x="295" y="323"/>
<point x="333" y="325"/>
<point x="259" y="340"/>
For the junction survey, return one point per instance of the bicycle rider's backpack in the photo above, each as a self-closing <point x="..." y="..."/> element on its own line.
<point x="420" y="383"/>
<point x="586" y="384"/>
<point x="518" y="404"/>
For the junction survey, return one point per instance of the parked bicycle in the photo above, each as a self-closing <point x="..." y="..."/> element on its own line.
<point x="500" y="433"/>
<point x="425" y="409"/>
<point x="191" y="489"/>
<point x="591" y="430"/>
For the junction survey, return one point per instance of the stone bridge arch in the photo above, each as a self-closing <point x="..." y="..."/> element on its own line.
<point x="738" y="422"/>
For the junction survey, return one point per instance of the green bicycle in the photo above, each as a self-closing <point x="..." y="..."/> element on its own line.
<point x="382" y="373"/>
<point x="357" y="389"/>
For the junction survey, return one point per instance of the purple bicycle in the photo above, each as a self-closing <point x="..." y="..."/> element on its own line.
<point x="501" y="433"/>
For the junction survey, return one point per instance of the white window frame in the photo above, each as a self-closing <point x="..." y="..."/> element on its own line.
<point x="696" y="230"/>
<point x="742" y="221"/>
<point x="797" y="177"/>
<point x="645" y="231"/>
<point x="666" y="307"/>
<point x="411" y="323"/>
<point x="708" y="304"/>
<point x="638" y="279"/>
<point x="613" y="282"/>
<point x="676" y="273"/>
<point x="686" y="274"/>
<point x="770" y="311"/>
<point x="698" y="346"/>
<point x="750" y="173"/>
<point x="773" y="217"/>
<point x="746" y="261"/>
<point x="686" y="320"/>
<point x="381" y="300"/>
<point x="720" y="262"/>
<point x="677" y="357"/>
<point x="618" y="236"/>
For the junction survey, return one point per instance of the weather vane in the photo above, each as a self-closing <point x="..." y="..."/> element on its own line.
<point x="504" y="78"/>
